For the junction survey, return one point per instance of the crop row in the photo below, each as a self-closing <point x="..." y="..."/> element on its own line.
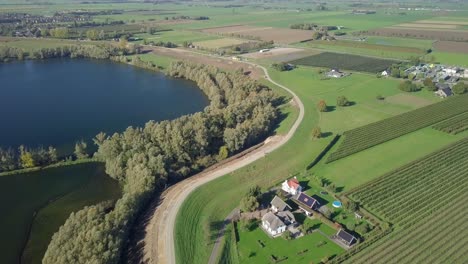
<point x="438" y="177"/>
<point x="454" y="125"/>
<point x="373" y="134"/>
<point x="436" y="238"/>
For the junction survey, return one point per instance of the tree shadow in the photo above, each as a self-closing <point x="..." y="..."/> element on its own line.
<point x="305" y="185"/>
<point x="320" y="199"/>
<point x="326" y="134"/>
<point x="330" y="108"/>
<point x="351" y="103"/>
<point x="279" y="119"/>
<point x="339" y="189"/>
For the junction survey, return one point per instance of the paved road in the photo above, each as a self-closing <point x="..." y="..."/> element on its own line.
<point x="159" y="236"/>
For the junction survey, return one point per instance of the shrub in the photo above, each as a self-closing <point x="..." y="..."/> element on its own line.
<point x="408" y="86"/>
<point x="322" y="106"/>
<point x="316" y="133"/>
<point x="342" y="101"/>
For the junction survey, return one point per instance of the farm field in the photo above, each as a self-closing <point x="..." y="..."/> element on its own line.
<point x="219" y="43"/>
<point x="451" y="46"/>
<point x="454" y="125"/>
<point x="443" y="34"/>
<point x="177" y="36"/>
<point x="345" y="61"/>
<point x="278" y="35"/>
<point x="448" y="58"/>
<point x="366" y="49"/>
<point x="427" y="209"/>
<point x="376" y="133"/>
<point x="400" y="42"/>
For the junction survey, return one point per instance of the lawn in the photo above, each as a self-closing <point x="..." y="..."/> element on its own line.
<point x="250" y="250"/>
<point x="456" y="59"/>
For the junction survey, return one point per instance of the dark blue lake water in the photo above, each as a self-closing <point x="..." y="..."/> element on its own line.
<point x="57" y="102"/>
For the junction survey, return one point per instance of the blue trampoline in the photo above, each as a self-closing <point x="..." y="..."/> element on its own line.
<point x="336" y="204"/>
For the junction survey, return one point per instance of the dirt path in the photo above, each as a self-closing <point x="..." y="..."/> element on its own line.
<point x="158" y="243"/>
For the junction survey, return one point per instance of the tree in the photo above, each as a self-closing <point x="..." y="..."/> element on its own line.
<point x="288" y="235"/>
<point x="460" y="88"/>
<point x="223" y="153"/>
<point x="363" y="228"/>
<point x="322" y="106"/>
<point x="92" y="34"/>
<point x="26" y="158"/>
<point x="342" y="101"/>
<point x="52" y="153"/>
<point x="351" y="206"/>
<point x="317" y="35"/>
<point x="316" y="133"/>
<point x="429" y="84"/>
<point x="80" y="150"/>
<point x="99" y="139"/>
<point x="249" y="203"/>
<point x="408" y="86"/>
<point x="351" y="226"/>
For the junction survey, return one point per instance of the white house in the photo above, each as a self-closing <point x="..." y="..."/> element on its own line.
<point x="385" y="73"/>
<point x="273" y="224"/>
<point x="291" y="186"/>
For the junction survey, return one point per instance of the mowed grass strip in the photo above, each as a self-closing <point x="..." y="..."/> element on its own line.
<point x="365" y="137"/>
<point x="345" y="61"/>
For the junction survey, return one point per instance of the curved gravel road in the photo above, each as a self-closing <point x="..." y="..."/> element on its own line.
<point x="158" y="244"/>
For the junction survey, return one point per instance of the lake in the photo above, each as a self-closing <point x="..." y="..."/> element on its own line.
<point x="57" y="102"/>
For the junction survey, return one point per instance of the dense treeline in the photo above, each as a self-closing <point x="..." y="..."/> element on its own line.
<point x="11" y="159"/>
<point x="103" y="51"/>
<point x="241" y="113"/>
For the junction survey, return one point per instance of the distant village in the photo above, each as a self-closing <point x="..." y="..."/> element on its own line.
<point x="443" y="77"/>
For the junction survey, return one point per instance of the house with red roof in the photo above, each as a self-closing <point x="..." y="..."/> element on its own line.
<point x="291" y="186"/>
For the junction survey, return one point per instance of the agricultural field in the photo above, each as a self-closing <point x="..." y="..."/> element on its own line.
<point x="367" y="49"/>
<point x="428" y="210"/>
<point x="345" y="61"/>
<point x="454" y="125"/>
<point x="442" y="34"/>
<point x="451" y="46"/>
<point x="177" y="36"/>
<point x="218" y="43"/>
<point x="278" y="35"/>
<point x="379" y="132"/>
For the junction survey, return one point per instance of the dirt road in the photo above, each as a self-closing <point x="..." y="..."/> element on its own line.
<point x="158" y="243"/>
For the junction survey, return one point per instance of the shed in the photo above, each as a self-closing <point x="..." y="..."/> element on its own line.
<point x="278" y="205"/>
<point x="345" y="237"/>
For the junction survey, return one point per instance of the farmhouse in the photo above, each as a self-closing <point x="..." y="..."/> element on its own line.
<point x="444" y="92"/>
<point x="291" y="186"/>
<point x="275" y="225"/>
<point x="385" y="73"/>
<point x="345" y="237"/>
<point x="278" y="205"/>
<point x="306" y="203"/>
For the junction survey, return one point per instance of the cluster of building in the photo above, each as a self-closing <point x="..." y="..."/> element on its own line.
<point x="336" y="73"/>
<point x="24" y="18"/>
<point x="443" y="77"/>
<point x="280" y="217"/>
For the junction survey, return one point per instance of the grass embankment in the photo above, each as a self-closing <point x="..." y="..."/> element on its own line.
<point x="203" y="211"/>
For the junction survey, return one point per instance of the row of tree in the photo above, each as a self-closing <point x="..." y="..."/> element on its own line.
<point x="241" y="113"/>
<point x="101" y="51"/>
<point x="23" y="157"/>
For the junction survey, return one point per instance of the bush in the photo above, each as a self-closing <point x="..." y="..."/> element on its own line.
<point x="322" y="106"/>
<point x="316" y="133"/>
<point x="408" y="86"/>
<point x="342" y="101"/>
<point x="460" y="88"/>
